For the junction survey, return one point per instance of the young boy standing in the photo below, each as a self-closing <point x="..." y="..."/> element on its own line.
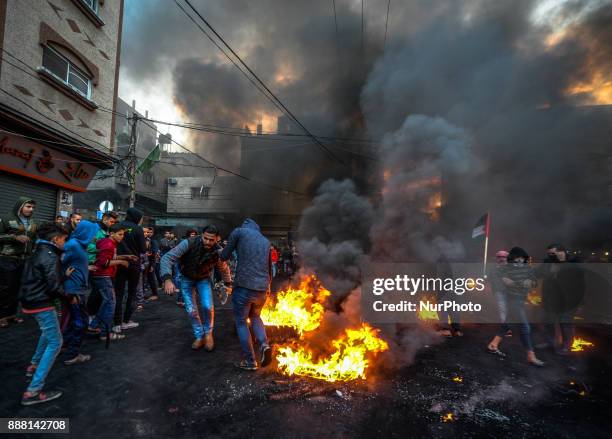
<point x="42" y="283"/>
<point x="106" y="264"/>
<point x="76" y="287"/>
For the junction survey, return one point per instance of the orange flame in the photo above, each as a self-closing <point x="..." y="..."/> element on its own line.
<point x="348" y="356"/>
<point x="534" y="298"/>
<point x="448" y="417"/>
<point x="300" y="308"/>
<point x="347" y="362"/>
<point x="579" y="344"/>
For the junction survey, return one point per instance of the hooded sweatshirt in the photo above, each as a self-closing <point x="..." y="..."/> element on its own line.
<point x="75" y="255"/>
<point x="13" y="225"/>
<point x="253" y="250"/>
<point x="134" y="241"/>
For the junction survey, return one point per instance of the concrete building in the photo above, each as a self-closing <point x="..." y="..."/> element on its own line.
<point x="58" y="88"/>
<point x="198" y="201"/>
<point x="151" y="185"/>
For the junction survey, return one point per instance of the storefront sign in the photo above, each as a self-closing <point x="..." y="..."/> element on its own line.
<point x="27" y="158"/>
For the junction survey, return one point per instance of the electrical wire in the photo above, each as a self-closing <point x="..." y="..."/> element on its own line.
<point x="275" y="98"/>
<point x="386" y="23"/>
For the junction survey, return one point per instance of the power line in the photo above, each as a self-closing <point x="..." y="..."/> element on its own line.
<point x="289" y="113"/>
<point x="386" y="23"/>
<point x="56" y="122"/>
<point x="237" y="132"/>
<point x="237" y="174"/>
<point x="362" y="27"/>
<point x="335" y="22"/>
<point x="211" y="128"/>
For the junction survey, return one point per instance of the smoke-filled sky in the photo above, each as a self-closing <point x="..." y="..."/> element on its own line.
<point x="499" y="80"/>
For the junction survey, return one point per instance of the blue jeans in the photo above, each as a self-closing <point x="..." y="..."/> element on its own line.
<point x="204" y="293"/>
<point x="517" y="318"/>
<point x="247" y="304"/>
<point x="104" y="318"/>
<point x="74" y="332"/>
<point x="176" y="280"/>
<point x="49" y="345"/>
<point x="502" y="306"/>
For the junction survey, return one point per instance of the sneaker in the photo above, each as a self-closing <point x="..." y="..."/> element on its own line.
<point x="266" y="355"/>
<point x="153" y="298"/>
<point x="31" y="398"/>
<point x="445" y="333"/>
<point x="30" y="370"/>
<point x="536" y="362"/>
<point x="94" y="331"/>
<point x="209" y="342"/>
<point x="113" y="336"/>
<point x="116" y="329"/>
<point x="509" y="333"/>
<point x="244" y="365"/>
<point x="197" y="344"/>
<point x="129" y="325"/>
<point x="80" y="358"/>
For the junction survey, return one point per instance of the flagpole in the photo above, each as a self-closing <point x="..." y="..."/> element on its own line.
<point x="486" y="246"/>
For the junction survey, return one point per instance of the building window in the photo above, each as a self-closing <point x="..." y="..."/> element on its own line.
<point x="65" y="71"/>
<point x="148" y="178"/>
<point x="92" y="4"/>
<point x="199" y="193"/>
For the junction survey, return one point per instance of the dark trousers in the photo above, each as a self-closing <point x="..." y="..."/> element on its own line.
<point x="129" y="276"/>
<point x="75" y="331"/>
<point x="566" y="326"/>
<point x="150" y="277"/>
<point x="10" y="279"/>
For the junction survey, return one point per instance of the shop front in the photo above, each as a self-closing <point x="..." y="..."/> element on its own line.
<point x="47" y="174"/>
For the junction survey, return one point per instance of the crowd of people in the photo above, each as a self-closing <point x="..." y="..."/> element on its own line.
<point x="512" y="278"/>
<point x="79" y="277"/>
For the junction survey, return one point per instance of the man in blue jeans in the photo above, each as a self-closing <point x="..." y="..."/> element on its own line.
<point x="198" y="256"/>
<point x="41" y="284"/>
<point x="252" y="281"/>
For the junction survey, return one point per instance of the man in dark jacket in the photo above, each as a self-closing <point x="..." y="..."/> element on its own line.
<point x="252" y="281"/>
<point x="198" y="257"/>
<point x="17" y="236"/>
<point x="41" y="285"/>
<point x="149" y="277"/>
<point x="563" y="288"/>
<point x="132" y="247"/>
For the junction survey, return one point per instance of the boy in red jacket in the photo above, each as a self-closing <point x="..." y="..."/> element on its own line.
<point x="106" y="264"/>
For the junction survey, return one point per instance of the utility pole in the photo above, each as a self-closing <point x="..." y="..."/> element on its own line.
<point x="132" y="160"/>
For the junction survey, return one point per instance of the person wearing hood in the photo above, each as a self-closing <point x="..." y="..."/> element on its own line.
<point x="252" y="281"/>
<point x="132" y="247"/>
<point x="77" y="287"/>
<point x="17" y="237"/>
<point x="102" y="231"/>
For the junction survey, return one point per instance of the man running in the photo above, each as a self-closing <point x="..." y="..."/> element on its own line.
<point x="253" y="277"/>
<point x="197" y="257"/>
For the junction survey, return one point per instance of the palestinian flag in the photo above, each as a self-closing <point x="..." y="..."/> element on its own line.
<point x="149" y="161"/>
<point x="482" y="226"/>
